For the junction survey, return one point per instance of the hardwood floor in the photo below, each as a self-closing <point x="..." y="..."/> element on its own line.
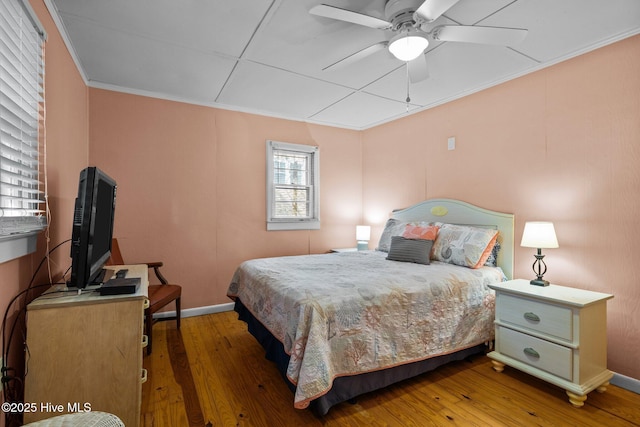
<point x="213" y="373"/>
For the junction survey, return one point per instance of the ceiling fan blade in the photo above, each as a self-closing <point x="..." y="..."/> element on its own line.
<point x="418" y="69"/>
<point x="340" y="14"/>
<point x="484" y="35"/>
<point x="356" y="56"/>
<point x="431" y="10"/>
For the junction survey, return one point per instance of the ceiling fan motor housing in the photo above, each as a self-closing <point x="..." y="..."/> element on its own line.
<point x="400" y="13"/>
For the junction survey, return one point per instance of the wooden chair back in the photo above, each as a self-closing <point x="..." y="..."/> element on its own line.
<point x="159" y="295"/>
<point x="116" y="255"/>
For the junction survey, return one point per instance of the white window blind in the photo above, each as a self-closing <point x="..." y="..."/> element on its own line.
<point x="292" y="186"/>
<point x="21" y="120"/>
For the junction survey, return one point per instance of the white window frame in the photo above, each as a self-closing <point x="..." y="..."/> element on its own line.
<point x="22" y="216"/>
<point x="312" y="221"/>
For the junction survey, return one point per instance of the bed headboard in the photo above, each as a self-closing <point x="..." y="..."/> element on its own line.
<point x="458" y="212"/>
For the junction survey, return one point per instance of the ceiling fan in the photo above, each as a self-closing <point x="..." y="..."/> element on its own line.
<point x="409" y="21"/>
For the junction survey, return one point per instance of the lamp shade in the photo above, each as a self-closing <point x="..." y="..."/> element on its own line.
<point x="363" y="233"/>
<point x="408" y="45"/>
<point x="539" y="234"/>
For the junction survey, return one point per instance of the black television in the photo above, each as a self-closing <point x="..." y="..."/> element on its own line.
<point x="92" y="227"/>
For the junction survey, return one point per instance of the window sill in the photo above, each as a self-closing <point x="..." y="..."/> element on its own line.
<point x="17" y="245"/>
<point x="293" y="225"/>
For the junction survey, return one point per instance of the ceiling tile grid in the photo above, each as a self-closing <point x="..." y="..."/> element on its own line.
<point x="285" y="94"/>
<point x="268" y="56"/>
<point x="147" y="64"/>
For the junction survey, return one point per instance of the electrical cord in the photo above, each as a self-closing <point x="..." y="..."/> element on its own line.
<point x="29" y="287"/>
<point x="45" y="258"/>
<point x="12" y="382"/>
<point x="23" y="310"/>
<point x="4" y="320"/>
<point x="11" y="394"/>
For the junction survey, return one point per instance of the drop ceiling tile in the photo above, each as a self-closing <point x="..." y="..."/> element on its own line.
<point x="468" y="12"/>
<point x="295" y="40"/>
<point x="362" y="110"/>
<point x="274" y="91"/>
<point x="559" y="29"/>
<point x="455" y="69"/>
<point x="189" y="50"/>
<point x="200" y="25"/>
<point x="119" y="59"/>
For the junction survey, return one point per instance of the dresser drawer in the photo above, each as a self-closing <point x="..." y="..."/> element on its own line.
<point x="535" y="315"/>
<point x="536" y="352"/>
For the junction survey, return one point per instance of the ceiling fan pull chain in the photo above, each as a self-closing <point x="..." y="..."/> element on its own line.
<point x="408" y="97"/>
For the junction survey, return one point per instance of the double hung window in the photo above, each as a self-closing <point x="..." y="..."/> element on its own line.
<point x="292" y="186"/>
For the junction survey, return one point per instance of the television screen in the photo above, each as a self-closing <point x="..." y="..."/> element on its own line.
<point x="92" y="227"/>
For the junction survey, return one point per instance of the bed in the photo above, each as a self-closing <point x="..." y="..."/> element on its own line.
<point x="342" y="324"/>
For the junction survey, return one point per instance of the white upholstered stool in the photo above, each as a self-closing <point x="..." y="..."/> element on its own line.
<point x="85" y="419"/>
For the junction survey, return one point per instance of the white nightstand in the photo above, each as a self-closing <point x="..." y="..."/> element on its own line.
<point x="555" y="333"/>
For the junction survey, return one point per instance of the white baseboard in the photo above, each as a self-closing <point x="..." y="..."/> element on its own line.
<point x="198" y="311"/>
<point x="626" y="383"/>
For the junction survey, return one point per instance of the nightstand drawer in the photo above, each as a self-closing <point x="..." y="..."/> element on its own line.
<point x="533" y="351"/>
<point x="536" y="316"/>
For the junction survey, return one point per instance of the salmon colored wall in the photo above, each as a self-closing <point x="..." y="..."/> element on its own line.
<point x="191" y="187"/>
<point x="67" y="129"/>
<point x="241" y="190"/>
<point x="561" y="144"/>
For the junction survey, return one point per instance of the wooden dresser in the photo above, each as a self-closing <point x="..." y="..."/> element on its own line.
<point x="84" y="352"/>
<point x="555" y="333"/>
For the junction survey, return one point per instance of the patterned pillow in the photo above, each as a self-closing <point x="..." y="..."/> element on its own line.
<point x="430" y="232"/>
<point x="464" y="245"/>
<point x="393" y="227"/>
<point x="492" y="260"/>
<point x="410" y="250"/>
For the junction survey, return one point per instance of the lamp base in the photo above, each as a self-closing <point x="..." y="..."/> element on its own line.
<point x="539" y="282"/>
<point x="363" y="245"/>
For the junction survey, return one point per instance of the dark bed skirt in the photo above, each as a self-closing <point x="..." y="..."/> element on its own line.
<point x="345" y="388"/>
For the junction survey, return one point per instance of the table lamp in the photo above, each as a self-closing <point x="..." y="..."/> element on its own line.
<point x="539" y="235"/>
<point x="363" y="234"/>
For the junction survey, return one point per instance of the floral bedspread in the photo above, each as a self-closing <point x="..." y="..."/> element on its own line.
<point x="348" y="313"/>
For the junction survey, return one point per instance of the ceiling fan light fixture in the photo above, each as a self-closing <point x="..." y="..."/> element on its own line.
<point x="408" y="45"/>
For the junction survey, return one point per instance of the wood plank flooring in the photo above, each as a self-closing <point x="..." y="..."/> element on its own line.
<point x="213" y="373"/>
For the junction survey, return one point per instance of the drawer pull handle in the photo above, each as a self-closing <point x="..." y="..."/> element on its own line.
<point x="145" y="341"/>
<point x="531" y="352"/>
<point x="144" y="376"/>
<point x="532" y="317"/>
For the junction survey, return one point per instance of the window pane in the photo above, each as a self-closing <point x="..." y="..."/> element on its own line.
<point x="291" y="202"/>
<point x="290" y="168"/>
<point x="291" y="210"/>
